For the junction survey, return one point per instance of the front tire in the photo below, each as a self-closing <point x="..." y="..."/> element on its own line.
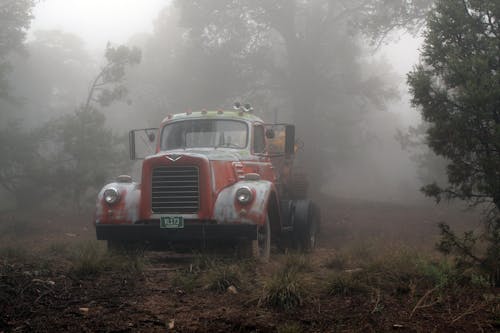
<point x="262" y="246"/>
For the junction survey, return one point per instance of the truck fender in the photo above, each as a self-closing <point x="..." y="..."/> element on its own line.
<point x="228" y="210"/>
<point x="125" y="210"/>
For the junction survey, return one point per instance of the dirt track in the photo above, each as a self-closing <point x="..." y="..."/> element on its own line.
<point x="43" y="292"/>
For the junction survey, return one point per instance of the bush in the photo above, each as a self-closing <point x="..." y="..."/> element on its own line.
<point x="347" y="285"/>
<point x="186" y="281"/>
<point x="297" y="262"/>
<point x="220" y="277"/>
<point x="92" y="258"/>
<point x="285" y="290"/>
<point x="289" y="328"/>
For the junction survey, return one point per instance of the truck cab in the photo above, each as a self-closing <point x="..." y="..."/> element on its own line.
<point x="214" y="177"/>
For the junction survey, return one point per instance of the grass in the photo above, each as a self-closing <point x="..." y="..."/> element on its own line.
<point x="338" y="262"/>
<point x="346" y="284"/>
<point x="289" y="328"/>
<point x="220" y="277"/>
<point x="92" y="258"/>
<point x="395" y="270"/>
<point x="285" y="289"/>
<point x="215" y="274"/>
<point x="186" y="281"/>
<point x="18" y="228"/>
<point x="298" y="262"/>
<point x="17" y="254"/>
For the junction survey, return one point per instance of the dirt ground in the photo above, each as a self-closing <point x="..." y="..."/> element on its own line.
<point x="55" y="278"/>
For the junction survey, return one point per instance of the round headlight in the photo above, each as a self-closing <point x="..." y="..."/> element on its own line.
<point x="244" y="195"/>
<point x="111" y="195"/>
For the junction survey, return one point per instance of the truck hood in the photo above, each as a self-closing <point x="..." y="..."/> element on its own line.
<point x="212" y="154"/>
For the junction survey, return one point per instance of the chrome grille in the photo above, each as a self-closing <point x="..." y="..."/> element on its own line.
<point x="175" y="190"/>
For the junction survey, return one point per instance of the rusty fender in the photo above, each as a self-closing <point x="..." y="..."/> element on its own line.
<point x="125" y="210"/>
<point x="228" y="210"/>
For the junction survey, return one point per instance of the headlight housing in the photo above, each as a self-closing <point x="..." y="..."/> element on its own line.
<point x="244" y="195"/>
<point x="111" y="195"/>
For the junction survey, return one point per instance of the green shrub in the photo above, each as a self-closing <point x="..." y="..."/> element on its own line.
<point x="346" y="285"/>
<point x="284" y="290"/>
<point x="220" y="277"/>
<point x="18" y="254"/>
<point x="92" y="258"/>
<point x="297" y="262"/>
<point x="337" y="262"/>
<point x="289" y="328"/>
<point x="186" y="281"/>
<point x="441" y="274"/>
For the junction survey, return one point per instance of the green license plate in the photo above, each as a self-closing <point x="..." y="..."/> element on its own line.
<point x="172" y="222"/>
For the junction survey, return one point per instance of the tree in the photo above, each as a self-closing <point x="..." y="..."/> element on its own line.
<point x="49" y="78"/>
<point x="15" y="19"/>
<point x="457" y="88"/>
<point x="303" y="58"/>
<point x="85" y="150"/>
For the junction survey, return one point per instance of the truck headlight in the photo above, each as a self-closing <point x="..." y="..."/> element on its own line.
<point x="244" y="195"/>
<point x="111" y="195"/>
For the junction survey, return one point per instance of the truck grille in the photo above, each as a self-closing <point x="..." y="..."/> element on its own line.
<point x="175" y="190"/>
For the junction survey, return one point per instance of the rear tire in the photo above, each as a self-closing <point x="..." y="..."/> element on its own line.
<point x="306" y="224"/>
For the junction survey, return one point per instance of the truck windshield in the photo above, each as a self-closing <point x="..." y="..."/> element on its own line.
<point x="199" y="133"/>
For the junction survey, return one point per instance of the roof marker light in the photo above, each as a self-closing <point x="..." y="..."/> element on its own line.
<point x="247" y="107"/>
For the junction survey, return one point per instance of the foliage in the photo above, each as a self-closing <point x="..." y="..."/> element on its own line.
<point x="24" y="174"/>
<point x="378" y="18"/>
<point x="457" y="88"/>
<point x="108" y="86"/>
<point x="289" y="328"/>
<point x="304" y="60"/>
<point x="220" y="277"/>
<point x="346" y="285"/>
<point x="84" y="152"/>
<point x="430" y="167"/>
<point x="285" y="289"/>
<point x="91" y="259"/>
<point x="15" y="19"/>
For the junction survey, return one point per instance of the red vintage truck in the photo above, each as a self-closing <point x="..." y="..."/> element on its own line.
<point x="223" y="177"/>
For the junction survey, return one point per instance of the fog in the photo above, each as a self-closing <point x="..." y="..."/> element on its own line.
<point x="345" y="91"/>
<point x="97" y="22"/>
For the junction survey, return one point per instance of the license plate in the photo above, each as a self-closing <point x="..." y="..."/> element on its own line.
<point x="172" y="222"/>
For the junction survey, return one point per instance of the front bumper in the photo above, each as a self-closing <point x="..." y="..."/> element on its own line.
<point x="190" y="232"/>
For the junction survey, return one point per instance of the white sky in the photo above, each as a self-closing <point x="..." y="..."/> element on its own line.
<point x="98" y="21"/>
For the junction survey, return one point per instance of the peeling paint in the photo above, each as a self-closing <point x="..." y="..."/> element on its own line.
<point x="126" y="210"/>
<point x="228" y="210"/>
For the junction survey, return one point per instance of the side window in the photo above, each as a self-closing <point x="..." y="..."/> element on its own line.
<point x="259" y="140"/>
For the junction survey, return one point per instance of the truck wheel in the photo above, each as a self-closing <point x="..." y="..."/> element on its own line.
<point x="262" y="249"/>
<point x="305" y="224"/>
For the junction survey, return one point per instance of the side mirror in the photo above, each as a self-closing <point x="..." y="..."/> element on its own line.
<point x="141" y="143"/>
<point x="289" y="140"/>
<point x="270" y="133"/>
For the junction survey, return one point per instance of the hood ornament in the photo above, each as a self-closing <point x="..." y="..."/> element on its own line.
<point x="173" y="157"/>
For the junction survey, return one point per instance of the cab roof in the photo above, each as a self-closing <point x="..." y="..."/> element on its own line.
<point x="213" y="114"/>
